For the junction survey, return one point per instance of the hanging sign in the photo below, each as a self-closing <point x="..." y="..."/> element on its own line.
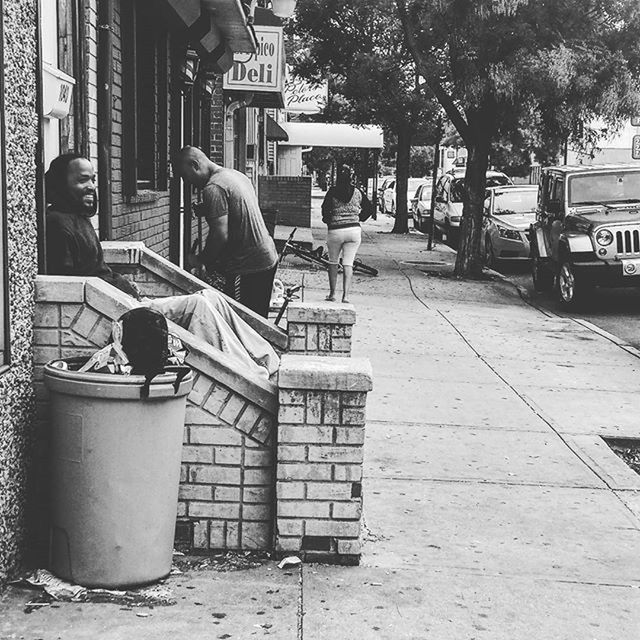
<point x="262" y="70"/>
<point x="301" y="96"/>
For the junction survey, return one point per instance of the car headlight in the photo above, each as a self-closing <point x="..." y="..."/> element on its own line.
<point x="604" y="237"/>
<point x="509" y="234"/>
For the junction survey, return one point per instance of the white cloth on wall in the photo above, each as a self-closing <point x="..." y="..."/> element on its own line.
<point x="209" y="317"/>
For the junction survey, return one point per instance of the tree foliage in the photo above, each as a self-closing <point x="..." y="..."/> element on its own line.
<point x="360" y="45"/>
<point x="522" y="72"/>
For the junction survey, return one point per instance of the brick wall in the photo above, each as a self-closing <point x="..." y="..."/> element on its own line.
<point x="321" y="329"/>
<point x="217" y="123"/>
<point x="319" y="456"/>
<point x="226" y="495"/>
<point x="146" y="219"/>
<point x="91" y="36"/>
<point x="290" y="195"/>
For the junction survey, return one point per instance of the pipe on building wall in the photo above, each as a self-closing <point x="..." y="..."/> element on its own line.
<point x="105" y="116"/>
<point x="228" y="127"/>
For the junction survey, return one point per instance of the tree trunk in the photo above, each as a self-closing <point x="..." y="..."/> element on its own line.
<point x="470" y="260"/>
<point x="402" y="176"/>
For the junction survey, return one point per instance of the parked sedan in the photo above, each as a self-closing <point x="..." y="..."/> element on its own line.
<point x="509" y="212"/>
<point x="449" y="197"/>
<point x="390" y="194"/>
<point x="421" y="205"/>
<point x="383" y="184"/>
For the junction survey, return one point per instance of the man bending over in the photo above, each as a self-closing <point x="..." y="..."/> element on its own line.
<point x="238" y="243"/>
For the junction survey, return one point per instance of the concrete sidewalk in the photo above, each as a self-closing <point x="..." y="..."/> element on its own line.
<point x="493" y="507"/>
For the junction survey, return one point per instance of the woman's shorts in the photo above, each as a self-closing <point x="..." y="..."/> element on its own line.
<point x="345" y="242"/>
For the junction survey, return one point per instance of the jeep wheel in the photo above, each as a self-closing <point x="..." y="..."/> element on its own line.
<point x="571" y="290"/>
<point x="542" y="278"/>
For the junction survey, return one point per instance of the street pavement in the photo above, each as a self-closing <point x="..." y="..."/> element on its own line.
<point x="493" y="507"/>
<point x="616" y="311"/>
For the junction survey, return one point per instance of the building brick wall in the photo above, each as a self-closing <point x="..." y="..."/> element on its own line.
<point x="147" y="219"/>
<point x="290" y="195"/>
<point x="16" y="395"/>
<point x="321" y="429"/>
<point x="91" y="38"/>
<point x="227" y="481"/>
<point x="217" y="123"/>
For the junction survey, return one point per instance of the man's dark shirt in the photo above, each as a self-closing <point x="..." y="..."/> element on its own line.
<point x="73" y="249"/>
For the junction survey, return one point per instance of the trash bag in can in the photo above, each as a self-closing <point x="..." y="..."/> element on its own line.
<point x="115" y="463"/>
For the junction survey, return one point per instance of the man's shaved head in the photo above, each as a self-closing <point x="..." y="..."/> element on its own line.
<point x="194" y="166"/>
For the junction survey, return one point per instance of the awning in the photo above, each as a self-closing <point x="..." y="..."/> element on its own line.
<point x="323" y="134"/>
<point x="212" y="26"/>
<point x="275" y="131"/>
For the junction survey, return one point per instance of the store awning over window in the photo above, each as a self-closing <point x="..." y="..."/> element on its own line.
<point x="212" y="26"/>
<point x="323" y="134"/>
<point x="275" y="131"/>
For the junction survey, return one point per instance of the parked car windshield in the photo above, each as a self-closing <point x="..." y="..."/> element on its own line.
<point x="604" y="187"/>
<point x="413" y="185"/>
<point x="425" y="194"/>
<point x="508" y="202"/>
<point x="497" y="181"/>
<point x="457" y="186"/>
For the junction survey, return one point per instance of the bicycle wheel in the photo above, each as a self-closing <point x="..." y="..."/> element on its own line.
<point x="309" y="256"/>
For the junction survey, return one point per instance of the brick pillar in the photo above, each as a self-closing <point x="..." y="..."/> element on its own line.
<point x="320" y="329"/>
<point x="321" y="424"/>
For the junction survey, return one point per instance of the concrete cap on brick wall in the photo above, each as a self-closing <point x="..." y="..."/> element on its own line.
<point x="60" y="288"/>
<point x="119" y="252"/>
<point x="327" y="373"/>
<point x="321" y="313"/>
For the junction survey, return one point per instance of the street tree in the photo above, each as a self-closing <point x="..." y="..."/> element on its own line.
<point x="360" y="45"/>
<point x="504" y="68"/>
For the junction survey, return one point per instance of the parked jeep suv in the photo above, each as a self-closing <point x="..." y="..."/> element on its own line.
<point x="587" y="230"/>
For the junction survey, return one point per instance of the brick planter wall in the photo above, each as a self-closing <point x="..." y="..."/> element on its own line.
<point x="321" y="428"/>
<point x="321" y="329"/>
<point x="290" y="195"/>
<point x="226" y="494"/>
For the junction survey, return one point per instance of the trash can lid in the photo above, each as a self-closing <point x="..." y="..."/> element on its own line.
<point x="107" y="385"/>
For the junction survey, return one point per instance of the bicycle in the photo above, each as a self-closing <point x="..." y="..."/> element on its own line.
<point x="319" y="256"/>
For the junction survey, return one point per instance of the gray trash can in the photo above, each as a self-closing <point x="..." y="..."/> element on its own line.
<point x="115" y="463"/>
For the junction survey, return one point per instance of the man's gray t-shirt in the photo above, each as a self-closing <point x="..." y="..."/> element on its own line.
<point x="250" y="248"/>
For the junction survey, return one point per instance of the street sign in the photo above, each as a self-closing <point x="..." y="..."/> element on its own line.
<point x="635" y="148"/>
<point x="635" y="121"/>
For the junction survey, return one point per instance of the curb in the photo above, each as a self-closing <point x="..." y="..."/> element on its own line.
<point x="524" y="294"/>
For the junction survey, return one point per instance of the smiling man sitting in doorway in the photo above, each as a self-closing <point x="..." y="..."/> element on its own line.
<point x="238" y="243"/>
<point x="72" y="244"/>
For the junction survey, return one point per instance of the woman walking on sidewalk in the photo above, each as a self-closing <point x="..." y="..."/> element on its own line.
<point x="343" y="208"/>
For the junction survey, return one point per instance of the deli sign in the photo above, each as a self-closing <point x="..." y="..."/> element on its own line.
<point x="262" y="70"/>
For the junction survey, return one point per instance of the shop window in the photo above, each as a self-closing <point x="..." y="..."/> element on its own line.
<point x="145" y="97"/>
